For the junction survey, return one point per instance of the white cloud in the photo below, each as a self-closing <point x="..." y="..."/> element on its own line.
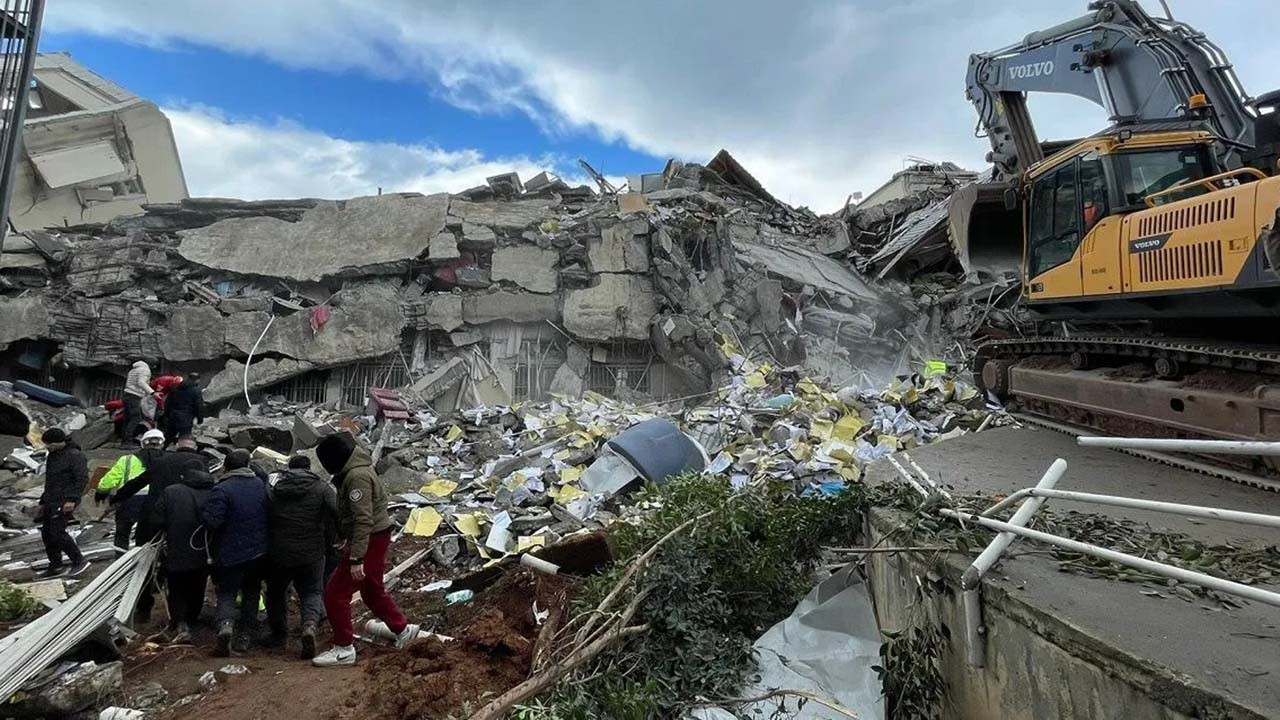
<point x="255" y="159"/>
<point x="817" y="99"/>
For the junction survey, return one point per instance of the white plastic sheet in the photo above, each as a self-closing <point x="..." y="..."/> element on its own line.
<point x="826" y="647"/>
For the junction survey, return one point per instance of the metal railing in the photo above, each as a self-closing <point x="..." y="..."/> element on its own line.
<point x="19" y="35"/>
<point x="1029" y="501"/>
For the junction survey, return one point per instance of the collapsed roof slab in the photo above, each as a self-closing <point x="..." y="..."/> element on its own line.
<point x="229" y="383"/>
<point x="511" y="215"/>
<point x="333" y="238"/>
<point x="365" y="324"/>
<point x="520" y="307"/>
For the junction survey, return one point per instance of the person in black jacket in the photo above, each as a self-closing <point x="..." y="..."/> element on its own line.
<point x="164" y="469"/>
<point x="301" y="505"/>
<point x="184" y="408"/>
<point x="176" y="513"/>
<point x="236" y="516"/>
<point x="66" y="473"/>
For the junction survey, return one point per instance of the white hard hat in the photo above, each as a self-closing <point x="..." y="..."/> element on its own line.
<point x="152" y="434"/>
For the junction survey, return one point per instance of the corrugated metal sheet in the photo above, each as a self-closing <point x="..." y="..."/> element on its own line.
<point x="82" y="163"/>
<point x="914" y="229"/>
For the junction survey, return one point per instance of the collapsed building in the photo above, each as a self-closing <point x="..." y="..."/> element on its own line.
<point x="501" y="293"/>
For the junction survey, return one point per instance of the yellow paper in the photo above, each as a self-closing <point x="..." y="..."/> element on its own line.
<point x="821" y="429"/>
<point x="850" y="473"/>
<point x="755" y="381"/>
<point x="889" y="441"/>
<point x="799" y="452"/>
<point x="807" y="387"/>
<point x="571" y="474"/>
<point x="529" y="542"/>
<point x="439" y="488"/>
<point x="423" y="522"/>
<point x="847" y="428"/>
<point x="567" y="493"/>
<point x="468" y="524"/>
<point x="563" y="454"/>
<point x="454" y="433"/>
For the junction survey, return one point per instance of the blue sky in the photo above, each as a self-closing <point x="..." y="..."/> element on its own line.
<point x="344" y="104"/>
<point x="817" y="98"/>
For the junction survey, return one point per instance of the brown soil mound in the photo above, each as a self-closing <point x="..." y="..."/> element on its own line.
<point x="495" y="635"/>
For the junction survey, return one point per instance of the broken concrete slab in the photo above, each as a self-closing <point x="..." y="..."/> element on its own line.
<point x="478" y="237"/>
<point x="444" y="311"/>
<point x="444" y="246"/>
<point x="21" y="319"/>
<point x="514" y="215"/>
<point x="193" y="332"/>
<point x="255" y="303"/>
<point x="569" y="379"/>
<point x="618" y="250"/>
<point x="618" y="306"/>
<point x="227" y="384"/>
<point x="436" y="383"/>
<point x="365" y="323"/>
<point x="786" y="259"/>
<point x="528" y="266"/>
<point x="333" y="238"/>
<point x="478" y="309"/>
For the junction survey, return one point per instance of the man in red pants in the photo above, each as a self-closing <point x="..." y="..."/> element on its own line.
<point x="365" y="530"/>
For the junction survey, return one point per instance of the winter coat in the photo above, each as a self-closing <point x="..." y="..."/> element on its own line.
<point x="362" y="503"/>
<point x="176" y="513"/>
<point x="236" y="515"/>
<point x="184" y="406"/>
<point x="138" y="381"/>
<point x="164" y="468"/>
<point x="301" y="506"/>
<point x="66" y="474"/>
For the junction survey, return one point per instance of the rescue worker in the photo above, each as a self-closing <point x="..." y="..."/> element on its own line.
<point x="176" y="514"/>
<point x="164" y="469"/>
<point x="365" y="529"/>
<point x="300" y="505"/>
<point x="66" y="474"/>
<point x="184" y="408"/>
<point x="137" y="385"/>
<point x="125" y="469"/>
<point x="235" y="515"/>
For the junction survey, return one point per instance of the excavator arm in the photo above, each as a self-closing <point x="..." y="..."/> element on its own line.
<point x="1136" y="66"/>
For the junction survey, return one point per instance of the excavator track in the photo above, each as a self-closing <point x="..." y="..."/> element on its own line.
<point x="1145" y="387"/>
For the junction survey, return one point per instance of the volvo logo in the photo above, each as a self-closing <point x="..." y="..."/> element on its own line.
<point x="1031" y="70"/>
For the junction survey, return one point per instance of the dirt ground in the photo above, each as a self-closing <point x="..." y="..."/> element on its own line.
<point x="495" y="634"/>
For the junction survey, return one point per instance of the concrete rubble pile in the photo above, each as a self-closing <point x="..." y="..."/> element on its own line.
<point x="552" y="286"/>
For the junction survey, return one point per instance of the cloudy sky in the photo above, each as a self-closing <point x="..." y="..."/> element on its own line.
<point x="334" y="98"/>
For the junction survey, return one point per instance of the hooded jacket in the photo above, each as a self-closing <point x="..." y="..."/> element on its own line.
<point x="236" y="515"/>
<point x="138" y="381"/>
<point x="184" y="406"/>
<point x="301" y="506"/>
<point x="176" y="512"/>
<point x="362" y="503"/>
<point x="66" y="474"/>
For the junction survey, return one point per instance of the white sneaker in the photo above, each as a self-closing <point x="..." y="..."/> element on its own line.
<point x="407" y="635"/>
<point x="335" y="657"/>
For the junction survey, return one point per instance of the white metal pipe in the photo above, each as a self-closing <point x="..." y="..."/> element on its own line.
<point x="1227" y="586"/>
<point x="973" y="575"/>
<point x="1212" y="447"/>
<point x="1210" y="513"/>
<point x="974" y="646"/>
<point x="925" y="476"/>
<point x="907" y="476"/>
<point x="249" y="360"/>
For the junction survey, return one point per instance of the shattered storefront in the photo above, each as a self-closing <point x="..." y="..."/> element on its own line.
<point x="521" y="293"/>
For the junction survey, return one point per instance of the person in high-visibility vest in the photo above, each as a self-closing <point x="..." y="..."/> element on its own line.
<point x="125" y="469"/>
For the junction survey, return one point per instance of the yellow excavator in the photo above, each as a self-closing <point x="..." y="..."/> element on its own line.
<point x="1148" y="252"/>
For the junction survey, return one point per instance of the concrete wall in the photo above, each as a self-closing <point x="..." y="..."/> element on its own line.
<point x="144" y="141"/>
<point x="1037" y="668"/>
